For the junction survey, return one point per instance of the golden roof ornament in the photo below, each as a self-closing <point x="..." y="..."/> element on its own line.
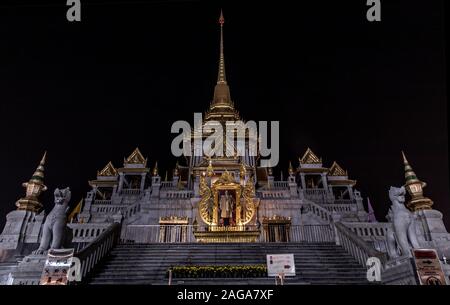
<point x="210" y="169"/>
<point x="222" y="107"/>
<point x="337" y="171"/>
<point x="242" y="170"/>
<point x="309" y="157"/>
<point x="108" y="171"/>
<point x="34" y="187"/>
<point x="290" y="169"/>
<point x="415" y="189"/>
<point x="225" y="178"/>
<point x="136" y="157"/>
<point x="176" y="171"/>
<point x="155" y="169"/>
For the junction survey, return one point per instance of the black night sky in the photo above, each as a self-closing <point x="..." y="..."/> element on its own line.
<point x="354" y="91"/>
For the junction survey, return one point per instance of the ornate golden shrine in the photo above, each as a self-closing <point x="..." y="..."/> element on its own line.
<point x="245" y="209"/>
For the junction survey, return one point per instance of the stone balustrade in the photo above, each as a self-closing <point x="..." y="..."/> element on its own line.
<point x="273" y="194"/>
<point x="355" y="245"/>
<point x="102" y="201"/>
<point x="340" y="208"/>
<point x="368" y="230"/>
<point x="86" y="232"/>
<point x="131" y="192"/>
<point x="97" y="249"/>
<point x="178" y="194"/>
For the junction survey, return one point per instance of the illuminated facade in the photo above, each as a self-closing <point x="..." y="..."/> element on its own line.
<point x="227" y="199"/>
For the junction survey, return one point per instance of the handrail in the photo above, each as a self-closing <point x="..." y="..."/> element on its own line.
<point x="96" y="250"/>
<point x="356" y="246"/>
<point x="320" y="211"/>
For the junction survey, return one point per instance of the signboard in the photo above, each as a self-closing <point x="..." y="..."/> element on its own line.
<point x="280" y="264"/>
<point x="428" y="267"/>
<point x="57" y="267"/>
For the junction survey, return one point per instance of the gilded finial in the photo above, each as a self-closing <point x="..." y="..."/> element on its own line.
<point x="34" y="187"/>
<point x="155" y="169"/>
<point x="210" y="169"/>
<point x="176" y="171"/>
<point x="291" y="169"/>
<point x="242" y="170"/>
<point x="415" y="189"/>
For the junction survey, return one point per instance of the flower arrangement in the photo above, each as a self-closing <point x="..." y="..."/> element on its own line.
<point x="224" y="271"/>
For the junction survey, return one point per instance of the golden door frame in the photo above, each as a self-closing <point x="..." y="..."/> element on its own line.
<point x="218" y="186"/>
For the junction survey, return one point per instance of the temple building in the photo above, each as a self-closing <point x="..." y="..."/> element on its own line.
<point x="220" y="201"/>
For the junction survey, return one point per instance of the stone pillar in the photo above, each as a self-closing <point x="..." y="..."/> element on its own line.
<point x="175" y="181"/>
<point x="302" y="180"/>
<point x="197" y="186"/>
<point x="86" y="212"/>
<point x="324" y="181"/>
<point x="293" y="186"/>
<point x="156" y="185"/>
<point x="120" y="182"/>
<point x="350" y="192"/>
<point x="142" y="181"/>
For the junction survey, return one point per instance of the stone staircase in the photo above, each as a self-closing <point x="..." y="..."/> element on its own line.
<point x="5" y="269"/>
<point x="148" y="263"/>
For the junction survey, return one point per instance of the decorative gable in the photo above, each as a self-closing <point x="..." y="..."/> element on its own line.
<point x="136" y="157"/>
<point x="336" y="170"/>
<point x="310" y="158"/>
<point x="108" y="171"/>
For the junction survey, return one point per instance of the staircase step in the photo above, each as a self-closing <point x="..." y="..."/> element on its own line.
<point x="148" y="263"/>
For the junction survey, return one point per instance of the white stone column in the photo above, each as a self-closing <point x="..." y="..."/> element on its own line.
<point x="302" y="180"/>
<point x="120" y="182"/>
<point x="324" y="181"/>
<point x="350" y="192"/>
<point x="142" y="181"/>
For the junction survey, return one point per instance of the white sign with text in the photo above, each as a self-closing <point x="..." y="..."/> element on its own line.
<point x="280" y="264"/>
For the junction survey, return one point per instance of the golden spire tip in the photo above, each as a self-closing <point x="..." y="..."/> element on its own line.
<point x="404" y="158"/>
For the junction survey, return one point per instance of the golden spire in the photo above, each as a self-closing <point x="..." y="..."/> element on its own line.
<point x="415" y="189"/>
<point x="34" y="187"/>
<point x="176" y="171"/>
<point x="291" y="169"/>
<point x="222" y="107"/>
<point x="155" y="169"/>
<point x="242" y="170"/>
<point x="221" y="79"/>
<point x="210" y="169"/>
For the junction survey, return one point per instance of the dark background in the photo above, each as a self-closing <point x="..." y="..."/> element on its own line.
<point x="354" y="91"/>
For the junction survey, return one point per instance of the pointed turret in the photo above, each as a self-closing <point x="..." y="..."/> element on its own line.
<point x="34" y="187"/>
<point x="291" y="169"/>
<point x="415" y="189"/>
<point x="155" y="169"/>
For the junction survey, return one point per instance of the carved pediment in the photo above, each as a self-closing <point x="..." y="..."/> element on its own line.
<point x="336" y="170"/>
<point x="225" y="178"/>
<point x="310" y="158"/>
<point x="136" y="157"/>
<point x="108" y="171"/>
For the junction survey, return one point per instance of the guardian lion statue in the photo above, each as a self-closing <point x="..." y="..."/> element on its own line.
<point x="404" y="224"/>
<point x="55" y="223"/>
